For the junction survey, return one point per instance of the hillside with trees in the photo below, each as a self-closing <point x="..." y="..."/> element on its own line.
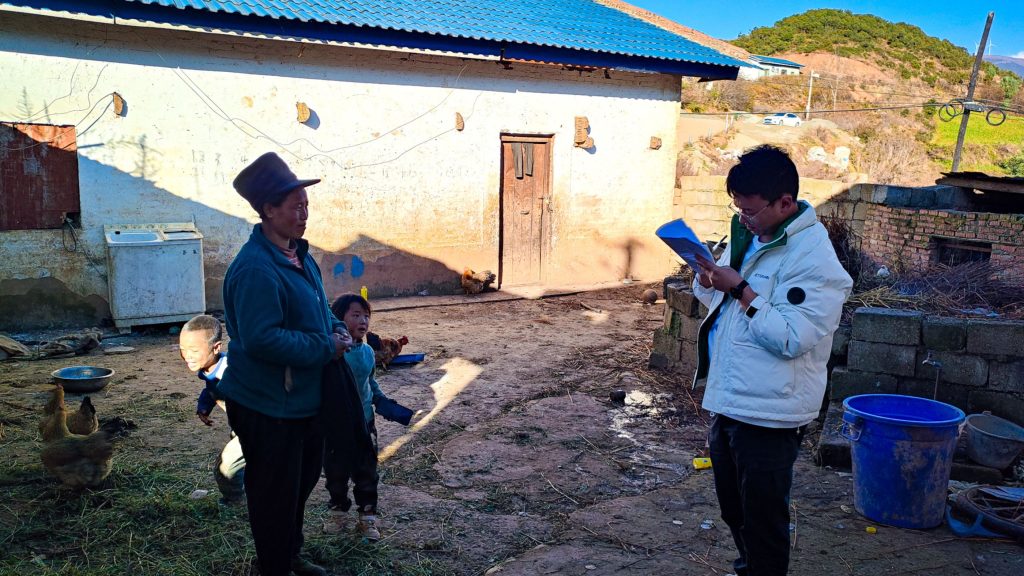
<point x="880" y="85"/>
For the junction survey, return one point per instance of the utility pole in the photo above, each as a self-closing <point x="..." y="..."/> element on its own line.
<point x="970" y="92"/>
<point x="810" y="86"/>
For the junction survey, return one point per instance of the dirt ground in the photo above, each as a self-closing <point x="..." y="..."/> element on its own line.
<point x="521" y="464"/>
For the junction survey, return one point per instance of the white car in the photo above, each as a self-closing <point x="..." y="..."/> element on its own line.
<point x="783" y="119"/>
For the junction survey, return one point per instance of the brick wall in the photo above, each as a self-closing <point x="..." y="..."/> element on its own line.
<point x="702" y="202"/>
<point x="909" y="235"/>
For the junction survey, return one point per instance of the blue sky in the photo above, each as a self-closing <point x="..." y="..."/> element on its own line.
<point x="959" y="22"/>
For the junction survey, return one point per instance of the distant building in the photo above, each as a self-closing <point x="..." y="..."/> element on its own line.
<point x="776" y="66"/>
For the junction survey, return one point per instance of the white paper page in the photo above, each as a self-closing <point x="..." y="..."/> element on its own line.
<point x="684" y="242"/>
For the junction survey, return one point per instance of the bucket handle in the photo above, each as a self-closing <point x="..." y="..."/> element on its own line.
<point x="851" y="430"/>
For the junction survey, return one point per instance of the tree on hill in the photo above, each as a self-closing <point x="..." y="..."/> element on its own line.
<point x="898" y="46"/>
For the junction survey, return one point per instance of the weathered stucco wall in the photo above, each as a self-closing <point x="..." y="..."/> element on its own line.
<point x="407" y="201"/>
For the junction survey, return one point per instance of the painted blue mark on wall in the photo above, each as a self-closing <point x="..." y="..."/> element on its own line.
<point x="356" y="268"/>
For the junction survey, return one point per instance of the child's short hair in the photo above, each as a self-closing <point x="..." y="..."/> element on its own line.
<point x="205" y="322"/>
<point x="345" y="301"/>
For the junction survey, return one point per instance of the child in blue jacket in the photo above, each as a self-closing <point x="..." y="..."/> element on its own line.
<point x="341" y="465"/>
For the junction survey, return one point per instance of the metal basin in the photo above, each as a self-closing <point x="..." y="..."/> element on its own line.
<point x="993" y="441"/>
<point x="82" y="378"/>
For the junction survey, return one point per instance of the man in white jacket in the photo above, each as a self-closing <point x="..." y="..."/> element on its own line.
<point x="775" y="299"/>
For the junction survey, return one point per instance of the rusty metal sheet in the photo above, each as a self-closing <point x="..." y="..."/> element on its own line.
<point x="38" y="175"/>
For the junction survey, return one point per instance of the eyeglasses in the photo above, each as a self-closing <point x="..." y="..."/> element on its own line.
<point x="748" y="217"/>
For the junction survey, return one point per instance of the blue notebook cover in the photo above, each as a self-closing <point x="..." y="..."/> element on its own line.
<point x="684" y="242"/>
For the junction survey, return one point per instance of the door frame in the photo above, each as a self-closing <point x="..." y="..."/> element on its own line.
<point x="545" y="232"/>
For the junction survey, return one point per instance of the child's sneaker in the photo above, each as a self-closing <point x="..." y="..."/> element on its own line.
<point x="367" y="527"/>
<point x="337" y="521"/>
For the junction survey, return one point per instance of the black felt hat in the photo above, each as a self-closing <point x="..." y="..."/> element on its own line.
<point x="267" y="180"/>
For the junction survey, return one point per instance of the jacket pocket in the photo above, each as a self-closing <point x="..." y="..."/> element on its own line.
<point x="757" y="373"/>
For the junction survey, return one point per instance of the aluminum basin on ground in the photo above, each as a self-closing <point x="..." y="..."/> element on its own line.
<point x="82" y="378"/>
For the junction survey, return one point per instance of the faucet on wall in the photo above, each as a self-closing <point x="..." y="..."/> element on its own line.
<point x="929" y="361"/>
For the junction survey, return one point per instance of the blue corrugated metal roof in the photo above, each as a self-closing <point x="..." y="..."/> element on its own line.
<point x="577" y="24"/>
<point x="776" y="61"/>
<point x="582" y="25"/>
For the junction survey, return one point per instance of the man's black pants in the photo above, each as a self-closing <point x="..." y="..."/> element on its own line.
<point x="283" y="458"/>
<point x="753" y="469"/>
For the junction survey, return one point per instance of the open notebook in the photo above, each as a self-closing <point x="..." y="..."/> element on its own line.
<point x="684" y="242"/>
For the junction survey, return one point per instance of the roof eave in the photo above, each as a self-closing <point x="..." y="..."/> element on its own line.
<point x="204" y="21"/>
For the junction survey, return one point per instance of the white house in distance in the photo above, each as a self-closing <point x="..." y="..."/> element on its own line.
<point x="776" y="66"/>
<point x="540" y="145"/>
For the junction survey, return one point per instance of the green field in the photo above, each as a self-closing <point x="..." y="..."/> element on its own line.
<point x="980" y="132"/>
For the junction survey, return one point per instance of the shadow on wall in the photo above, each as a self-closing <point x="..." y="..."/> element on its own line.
<point x="64" y="283"/>
<point x="51" y="286"/>
<point x="385" y="270"/>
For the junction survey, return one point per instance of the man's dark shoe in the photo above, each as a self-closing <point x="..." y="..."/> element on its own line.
<point x="303" y="567"/>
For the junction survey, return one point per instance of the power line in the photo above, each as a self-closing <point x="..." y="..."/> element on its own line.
<point x="823" y="111"/>
<point x="803" y="86"/>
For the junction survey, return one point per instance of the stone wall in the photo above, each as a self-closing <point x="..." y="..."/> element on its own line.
<point x="979" y="363"/>
<point x="675" y="343"/>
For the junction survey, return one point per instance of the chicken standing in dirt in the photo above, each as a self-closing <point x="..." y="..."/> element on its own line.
<point x="385" y="349"/>
<point x="76" y="460"/>
<point x="83" y="422"/>
<point x="477" y="282"/>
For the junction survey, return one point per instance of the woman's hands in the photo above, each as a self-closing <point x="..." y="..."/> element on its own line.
<point x="342" y="342"/>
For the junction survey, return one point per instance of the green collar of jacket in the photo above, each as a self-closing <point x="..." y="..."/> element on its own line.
<point x="741" y="237"/>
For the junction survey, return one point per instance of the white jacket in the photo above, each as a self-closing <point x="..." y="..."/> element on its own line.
<point x="771" y="365"/>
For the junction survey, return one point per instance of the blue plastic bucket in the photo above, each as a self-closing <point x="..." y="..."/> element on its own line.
<point x="902" y="449"/>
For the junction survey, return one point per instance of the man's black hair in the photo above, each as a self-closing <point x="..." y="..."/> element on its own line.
<point x="345" y="301"/>
<point x="765" y="171"/>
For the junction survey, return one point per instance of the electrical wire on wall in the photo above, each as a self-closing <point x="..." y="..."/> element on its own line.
<point x="74" y="126"/>
<point x="254" y="132"/>
<point x="68" y="228"/>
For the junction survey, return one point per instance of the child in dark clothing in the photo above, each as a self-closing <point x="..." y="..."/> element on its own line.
<point x="340" y="465"/>
<point x="200" y="345"/>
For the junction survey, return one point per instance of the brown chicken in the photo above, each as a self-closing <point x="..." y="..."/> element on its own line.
<point x="385" y="349"/>
<point x="76" y="460"/>
<point x="84" y="421"/>
<point x="47" y="426"/>
<point x="477" y="282"/>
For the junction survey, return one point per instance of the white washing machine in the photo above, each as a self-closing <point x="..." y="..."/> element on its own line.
<point x="154" y="273"/>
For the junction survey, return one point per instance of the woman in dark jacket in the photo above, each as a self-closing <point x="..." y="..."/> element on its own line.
<point x="282" y="334"/>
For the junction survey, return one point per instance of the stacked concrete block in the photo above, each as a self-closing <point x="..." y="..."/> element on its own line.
<point x="976" y="365"/>
<point x="675" y="342"/>
<point x="972" y="364"/>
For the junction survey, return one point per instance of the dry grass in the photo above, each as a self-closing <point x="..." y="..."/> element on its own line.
<point x="141" y="520"/>
<point x="968" y="290"/>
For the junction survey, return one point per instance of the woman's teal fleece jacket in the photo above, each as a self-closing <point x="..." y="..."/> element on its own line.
<point x="279" y="322"/>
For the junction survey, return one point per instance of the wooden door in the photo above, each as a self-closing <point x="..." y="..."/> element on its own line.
<point x="525" y="183"/>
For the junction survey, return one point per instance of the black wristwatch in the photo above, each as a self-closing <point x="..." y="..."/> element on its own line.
<point x="737" y="290"/>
